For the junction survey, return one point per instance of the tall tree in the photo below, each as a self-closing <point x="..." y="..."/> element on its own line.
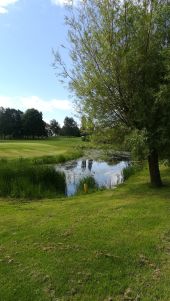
<point x="70" y="127"/>
<point x="33" y="124"/>
<point x="55" y="127"/>
<point x="121" y="67"/>
<point x="10" y="123"/>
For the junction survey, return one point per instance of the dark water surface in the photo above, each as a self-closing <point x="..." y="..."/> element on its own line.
<point x="105" y="174"/>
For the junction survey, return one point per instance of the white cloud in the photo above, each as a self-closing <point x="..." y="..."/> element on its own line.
<point x="3" y="10"/>
<point x="24" y="103"/>
<point x="4" y="4"/>
<point x="44" y="105"/>
<point x="6" y="101"/>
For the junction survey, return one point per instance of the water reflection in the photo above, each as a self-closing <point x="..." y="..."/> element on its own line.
<point x="86" y="164"/>
<point x="83" y="165"/>
<point x="90" y="163"/>
<point x="105" y="174"/>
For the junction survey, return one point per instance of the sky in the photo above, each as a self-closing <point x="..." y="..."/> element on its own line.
<point x="29" y="30"/>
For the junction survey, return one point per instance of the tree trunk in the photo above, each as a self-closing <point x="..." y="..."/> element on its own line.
<point x="153" y="162"/>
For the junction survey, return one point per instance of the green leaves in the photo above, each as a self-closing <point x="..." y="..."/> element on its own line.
<point x="121" y="70"/>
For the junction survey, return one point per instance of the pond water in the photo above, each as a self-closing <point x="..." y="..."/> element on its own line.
<point x="106" y="175"/>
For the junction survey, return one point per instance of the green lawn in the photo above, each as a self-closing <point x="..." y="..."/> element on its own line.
<point x="38" y="148"/>
<point x="110" y="245"/>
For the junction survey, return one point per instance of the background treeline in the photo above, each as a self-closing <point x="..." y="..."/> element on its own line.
<point x="15" y="124"/>
<point x="69" y="128"/>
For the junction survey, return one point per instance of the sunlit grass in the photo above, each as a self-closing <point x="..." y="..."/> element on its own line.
<point x="38" y="148"/>
<point x="109" y="244"/>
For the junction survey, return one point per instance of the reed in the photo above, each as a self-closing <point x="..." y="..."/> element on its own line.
<point x="87" y="184"/>
<point x="22" y="179"/>
<point x="131" y="169"/>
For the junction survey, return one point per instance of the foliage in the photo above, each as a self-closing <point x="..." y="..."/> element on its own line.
<point x="87" y="126"/>
<point x="10" y="123"/>
<point x="121" y="68"/>
<point x="90" y="182"/>
<point x="30" y="125"/>
<point x="21" y="179"/>
<point x="33" y="124"/>
<point x="136" y="143"/>
<point x="70" y="127"/>
<point x="55" y="127"/>
<point x="131" y="169"/>
<point x="115" y="136"/>
<point x="16" y="124"/>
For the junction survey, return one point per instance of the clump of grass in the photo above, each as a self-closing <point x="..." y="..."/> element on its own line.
<point x="131" y="170"/>
<point x="88" y="183"/>
<point x="57" y="159"/>
<point x="21" y="179"/>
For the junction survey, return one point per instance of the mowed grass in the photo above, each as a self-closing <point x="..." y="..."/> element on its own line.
<point x="38" y="148"/>
<point x="109" y="245"/>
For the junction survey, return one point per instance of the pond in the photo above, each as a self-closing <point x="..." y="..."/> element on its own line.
<point x="107" y="175"/>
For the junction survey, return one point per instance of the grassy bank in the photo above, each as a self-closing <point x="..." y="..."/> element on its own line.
<point x="56" y="147"/>
<point x="110" y="244"/>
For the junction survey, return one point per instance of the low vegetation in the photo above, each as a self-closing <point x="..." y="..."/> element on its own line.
<point x="109" y="245"/>
<point x="22" y="179"/>
<point x="87" y="184"/>
<point x="132" y="169"/>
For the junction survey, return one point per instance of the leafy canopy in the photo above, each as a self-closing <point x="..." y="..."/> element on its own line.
<point x="121" y="65"/>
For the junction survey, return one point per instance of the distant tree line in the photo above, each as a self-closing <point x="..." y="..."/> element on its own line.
<point x="69" y="128"/>
<point x="15" y="124"/>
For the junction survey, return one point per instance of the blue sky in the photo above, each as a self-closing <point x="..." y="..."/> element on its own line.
<point x="29" y="29"/>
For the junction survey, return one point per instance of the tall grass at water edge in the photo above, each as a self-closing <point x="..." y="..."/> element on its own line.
<point x="61" y="158"/>
<point x="131" y="169"/>
<point x="22" y="179"/>
<point x="92" y="186"/>
<point x="90" y="183"/>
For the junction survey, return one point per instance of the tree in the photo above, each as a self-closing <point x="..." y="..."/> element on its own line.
<point x="33" y="124"/>
<point x="121" y="68"/>
<point x="10" y="123"/>
<point x="70" y="127"/>
<point x="55" y="127"/>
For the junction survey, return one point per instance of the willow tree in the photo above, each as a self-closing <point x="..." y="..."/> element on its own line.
<point x="120" y="68"/>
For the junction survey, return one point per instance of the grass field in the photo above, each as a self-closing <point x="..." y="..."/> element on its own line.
<point x="109" y="245"/>
<point x="38" y="148"/>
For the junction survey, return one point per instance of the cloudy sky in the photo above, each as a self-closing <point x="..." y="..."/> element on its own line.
<point x="29" y="29"/>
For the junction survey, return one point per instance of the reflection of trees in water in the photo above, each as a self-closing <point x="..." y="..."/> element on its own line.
<point x="114" y="179"/>
<point x="104" y="175"/>
<point x="71" y="165"/>
<point x="83" y="165"/>
<point x="72" y="178"/>
<point x="86" y="164"/>
<point x="113" y="161"/>
<point x="90" y="164"/>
